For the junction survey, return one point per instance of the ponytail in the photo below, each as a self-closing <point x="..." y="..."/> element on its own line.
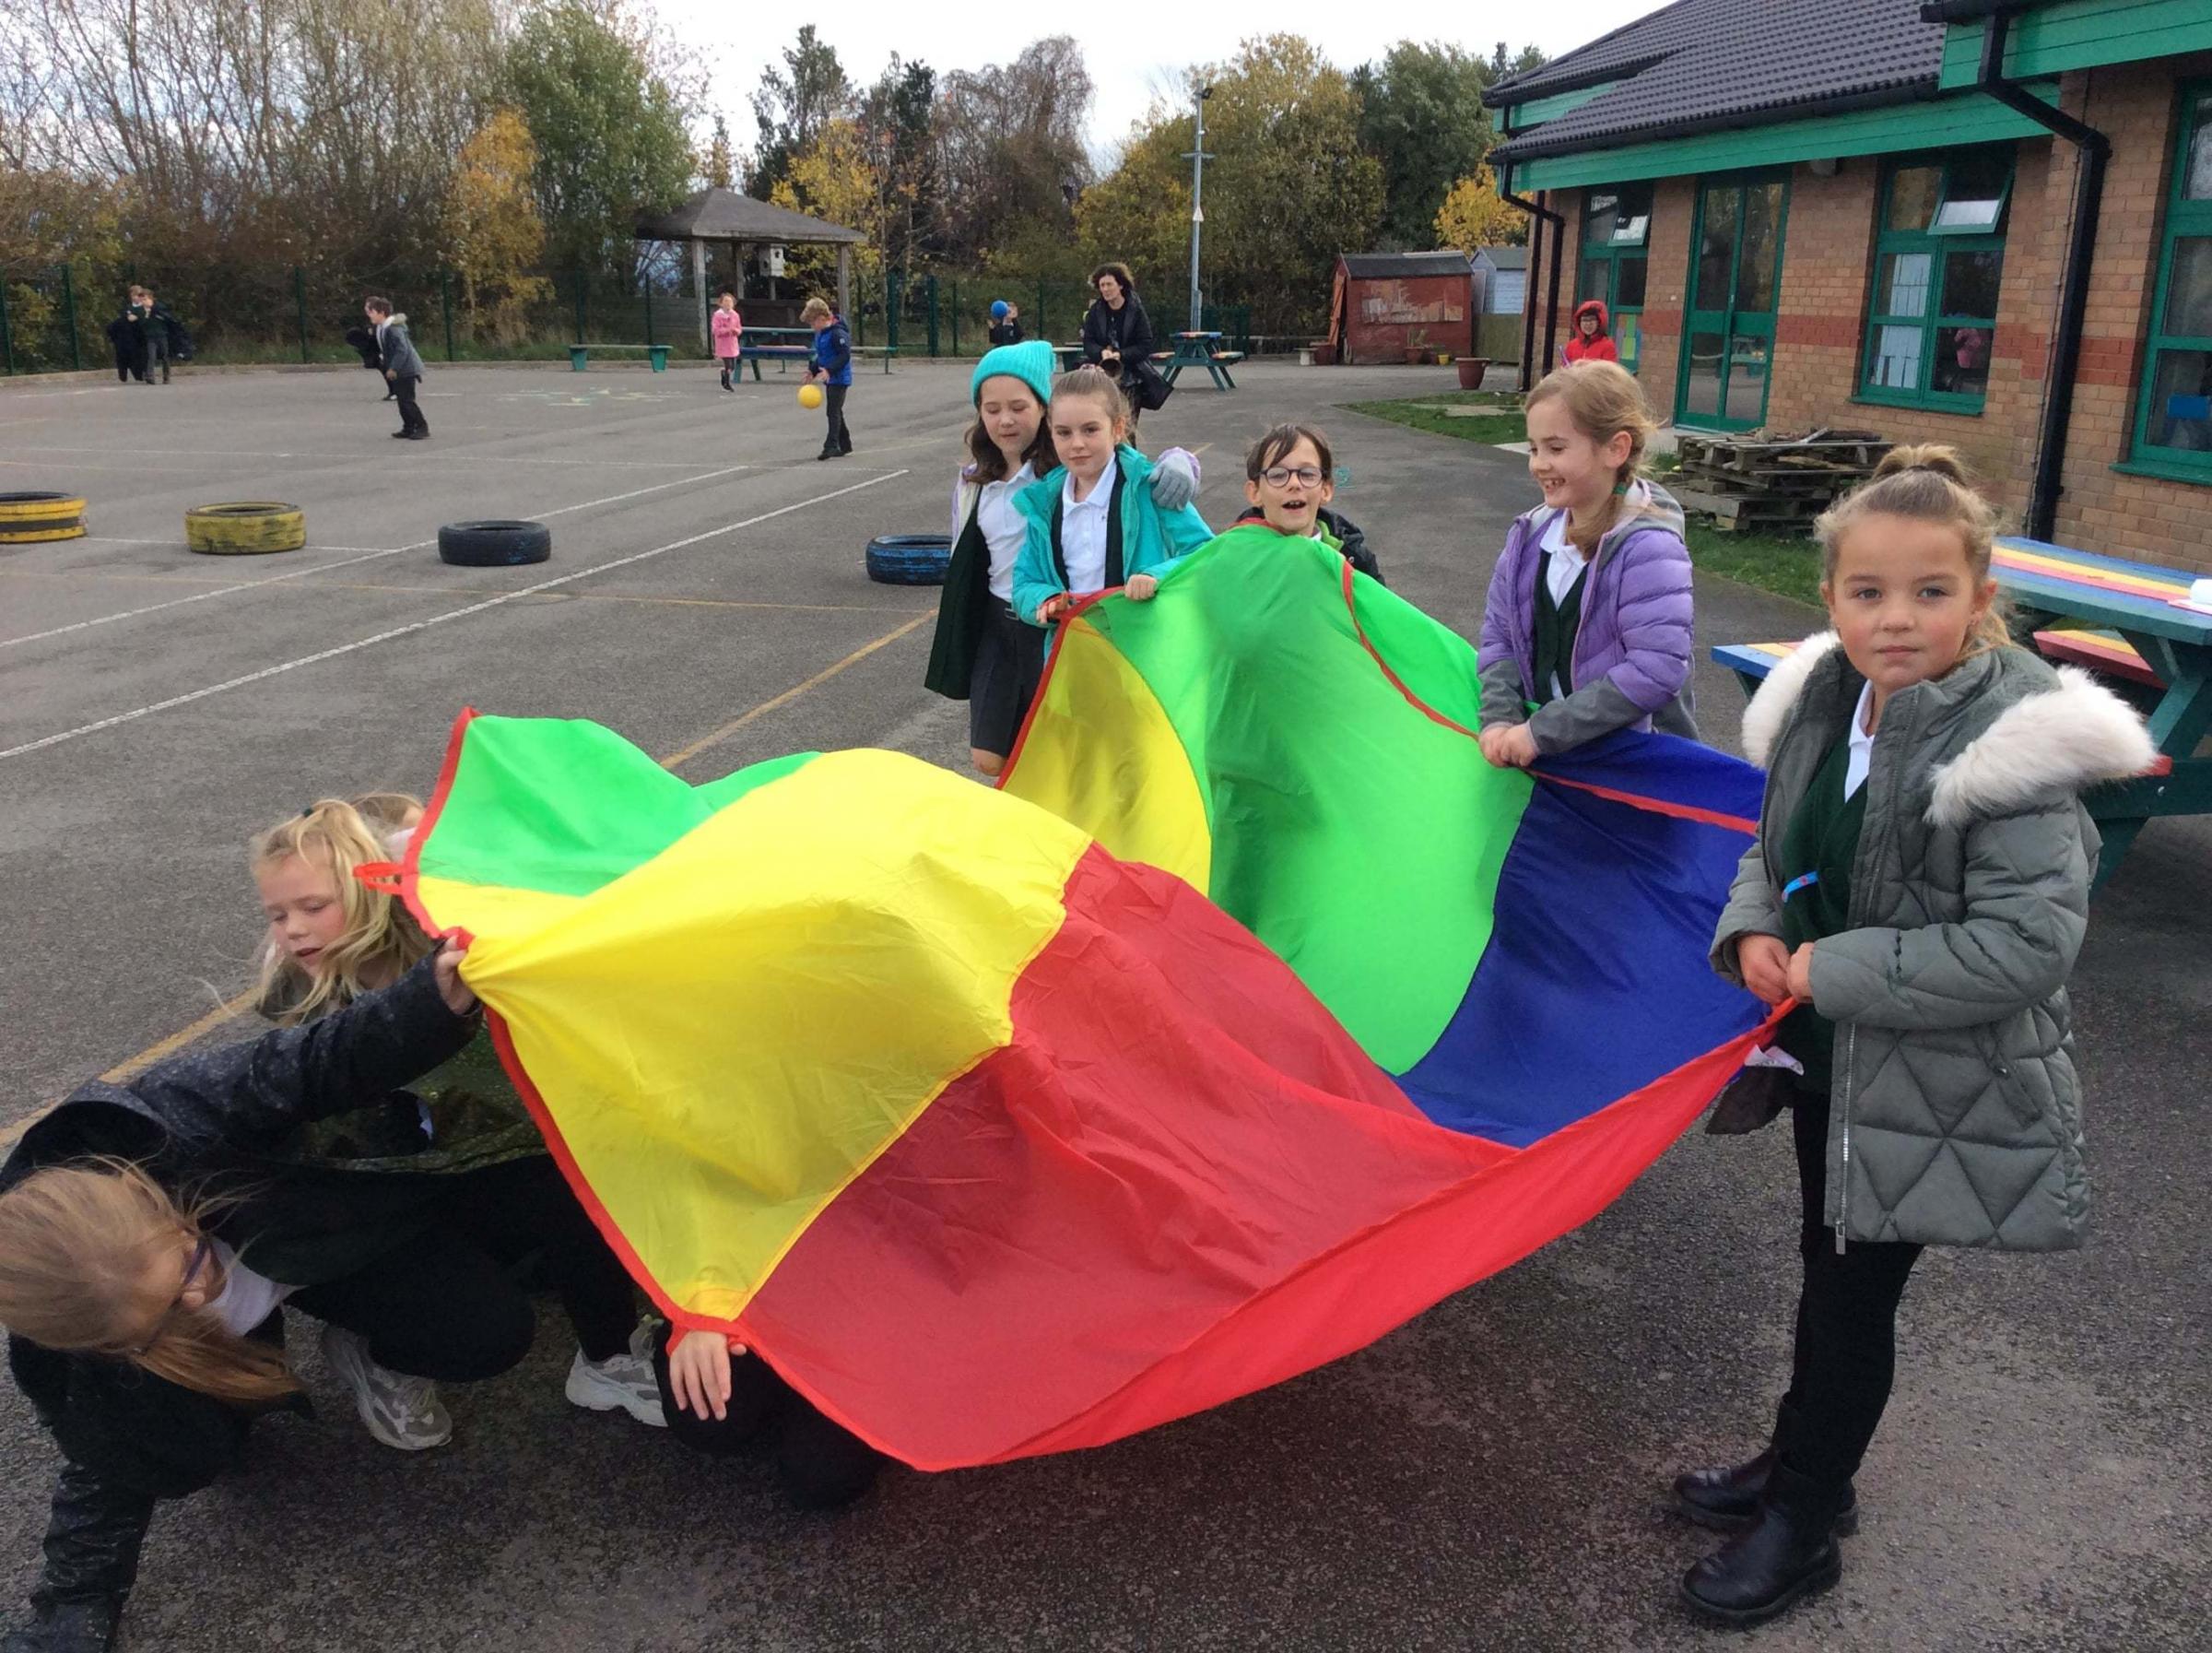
<point x="1603" y="401"/>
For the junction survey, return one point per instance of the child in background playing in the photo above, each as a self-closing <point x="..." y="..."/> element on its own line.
<point x="1591" y="341"/>
<point x="830" y="366"/>
<point x="1289" y="479"/>
<point x="728" y="329"/>
<point x="983" y="653"/>
<point x="1094" y="522"/>
<point x="1937" y="1103"/>
<point x="461" y="1135"/>
<point x="1005" y="323"/>
<point x="1586" y="628"/>
<point x="403" y="367"/>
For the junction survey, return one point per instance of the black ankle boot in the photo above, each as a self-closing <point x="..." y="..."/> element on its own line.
<point x="1788" y="1552"/>
<point x="1727" y="1499"/>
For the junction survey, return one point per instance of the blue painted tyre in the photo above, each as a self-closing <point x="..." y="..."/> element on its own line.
<point x="909" y="558"/>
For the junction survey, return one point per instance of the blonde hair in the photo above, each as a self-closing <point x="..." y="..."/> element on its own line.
<point x="78" y="1250"/>
<point x="1928" y="483"/>
<point x="380" y="940"/>
<point x="1091" y="380"/>
<point x="1603" y="401"/>
<point x="815" y="307"/>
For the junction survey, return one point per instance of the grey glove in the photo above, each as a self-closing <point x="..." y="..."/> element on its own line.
<point x="1174" y="479"/>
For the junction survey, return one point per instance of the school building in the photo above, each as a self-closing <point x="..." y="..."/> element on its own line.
<point x="1982" y="222"/>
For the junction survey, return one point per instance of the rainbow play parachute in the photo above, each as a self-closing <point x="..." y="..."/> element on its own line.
<point x="1253" y="1016"/>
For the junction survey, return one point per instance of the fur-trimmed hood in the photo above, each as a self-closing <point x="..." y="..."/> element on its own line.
<point x="2061" y="732"/>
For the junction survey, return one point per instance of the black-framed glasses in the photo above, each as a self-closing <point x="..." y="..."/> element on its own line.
<point x="1279" y="475"/>
<point x="200" y="1254"/>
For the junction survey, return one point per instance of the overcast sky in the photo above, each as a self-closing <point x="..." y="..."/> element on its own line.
<point x="1133" y="48"/>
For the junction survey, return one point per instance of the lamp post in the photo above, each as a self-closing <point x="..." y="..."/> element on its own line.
<point x="1198" y="158"/>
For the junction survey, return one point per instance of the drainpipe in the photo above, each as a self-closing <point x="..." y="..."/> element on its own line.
<point x="1543" y="215"/>
<point x="2094" y="149"/>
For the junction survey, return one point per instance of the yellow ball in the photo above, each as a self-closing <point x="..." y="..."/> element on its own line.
<point x="810" y="396"/>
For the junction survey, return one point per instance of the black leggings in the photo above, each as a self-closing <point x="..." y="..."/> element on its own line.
<point x="821" y="1464"/>
<point x="839" y="440"/>
<point x="1845" y="1357"/>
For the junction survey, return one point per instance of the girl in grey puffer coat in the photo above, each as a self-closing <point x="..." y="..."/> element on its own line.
<point x="1920" y="885"/>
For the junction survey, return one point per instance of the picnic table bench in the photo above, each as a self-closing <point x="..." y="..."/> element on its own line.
<point x="2157" y="651"/>
<point x="579" y="355"/>
<point x="793" y="344"/>
<point x="1200" y="349"/>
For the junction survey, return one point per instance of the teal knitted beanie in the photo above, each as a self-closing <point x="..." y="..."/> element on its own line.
<point x="1033" y="361"/>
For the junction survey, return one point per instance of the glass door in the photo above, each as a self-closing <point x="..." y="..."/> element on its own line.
<point x="1728" y="328"/>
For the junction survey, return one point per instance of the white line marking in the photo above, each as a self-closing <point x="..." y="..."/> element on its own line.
<point x="301" y="573"/>
<point x="347" y="458"/>
<point x="435" y="620"/>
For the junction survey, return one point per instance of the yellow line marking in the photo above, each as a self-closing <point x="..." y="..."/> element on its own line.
<point x="132" y="1067"/>
<point x="765" y="707"/>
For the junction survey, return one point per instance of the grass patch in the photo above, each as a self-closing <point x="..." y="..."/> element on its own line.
<point x="1787" y="565"/>
<point x="1422" y="413"/>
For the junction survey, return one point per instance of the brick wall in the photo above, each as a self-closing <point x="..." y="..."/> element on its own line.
<point x="1821" y="321"/>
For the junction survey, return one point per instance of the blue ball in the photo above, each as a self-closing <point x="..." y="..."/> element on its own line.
<point x="998" y="310"/>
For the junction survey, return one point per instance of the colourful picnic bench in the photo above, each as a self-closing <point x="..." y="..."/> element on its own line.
<point x="2137" y="633"/>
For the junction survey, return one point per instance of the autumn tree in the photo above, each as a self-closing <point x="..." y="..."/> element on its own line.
<point x="1289" y="189"/>
<point x="608" y="129"/>
<point x="792" y="106"/>
<point x="897" y="122"/>
<point x="1421" y="115"/>
<point x="832" y="179"/>
<point x="718" y="166"/>
<point x="1012" y="158"/>
<point x="494" y="240"/>
<point x="1473" y="215"/>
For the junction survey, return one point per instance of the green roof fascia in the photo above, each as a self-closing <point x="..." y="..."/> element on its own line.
<point x="2080" y="34"/>
<point x="1520" y="117"/>
<point x="1939" y="124"/>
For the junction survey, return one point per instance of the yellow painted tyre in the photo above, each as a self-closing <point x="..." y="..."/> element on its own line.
<point x="30" y="518"/>
<point x="245" y="529"/>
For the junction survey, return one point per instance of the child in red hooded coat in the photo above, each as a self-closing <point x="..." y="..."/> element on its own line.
<point x="1593" y="339"/>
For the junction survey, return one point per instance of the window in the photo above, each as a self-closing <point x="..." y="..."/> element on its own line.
<point x="1616" y="227"/>
<point x="2173" y="422"/>
<point x="1938" y="258"/>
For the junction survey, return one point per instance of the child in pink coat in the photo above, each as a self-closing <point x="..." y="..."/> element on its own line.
<point x="727" y="329"/>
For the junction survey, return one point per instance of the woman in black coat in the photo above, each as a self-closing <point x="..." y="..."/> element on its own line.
<point x="1117" y="334"/>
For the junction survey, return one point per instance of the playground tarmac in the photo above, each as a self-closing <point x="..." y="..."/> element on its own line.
<point x="1491" y="1476"/>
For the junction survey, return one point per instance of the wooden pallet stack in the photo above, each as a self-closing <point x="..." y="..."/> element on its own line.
<point x="1772" y="484"/>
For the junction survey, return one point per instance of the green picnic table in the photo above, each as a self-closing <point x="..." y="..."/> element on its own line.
<point x="2129" y="621"/>
<point x="1202" y="349"/>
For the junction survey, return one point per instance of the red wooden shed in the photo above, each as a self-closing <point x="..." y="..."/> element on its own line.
<point x="1388" y="305"/>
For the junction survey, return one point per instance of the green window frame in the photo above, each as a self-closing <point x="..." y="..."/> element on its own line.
<point x="2173" y="412"/>
<point x="1932" y="291"/>
<point x="1616" y="230"/>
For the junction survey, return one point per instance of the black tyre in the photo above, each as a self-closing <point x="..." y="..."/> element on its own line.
<point x="245" y="529"/>
<point x="909" y="558"/>
<point x="494" y="544"/>
<point x="29" y="518"/>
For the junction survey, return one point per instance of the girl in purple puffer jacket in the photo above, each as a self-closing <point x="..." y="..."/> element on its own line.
<point x="1587" y="626"/>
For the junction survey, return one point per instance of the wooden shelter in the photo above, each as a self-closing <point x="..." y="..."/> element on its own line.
<point x="1399" y="306"/>
<point x="724" y="215"/>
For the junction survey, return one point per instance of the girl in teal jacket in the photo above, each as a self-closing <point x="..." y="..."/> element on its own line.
<point x="1093" y="521"/>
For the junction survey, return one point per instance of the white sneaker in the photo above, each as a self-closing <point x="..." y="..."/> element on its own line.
<point x="401" y="1411"/>
<point x="621" y="1380"/>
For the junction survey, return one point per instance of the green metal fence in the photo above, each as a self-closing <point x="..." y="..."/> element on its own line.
<point x="54" y="318"/>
